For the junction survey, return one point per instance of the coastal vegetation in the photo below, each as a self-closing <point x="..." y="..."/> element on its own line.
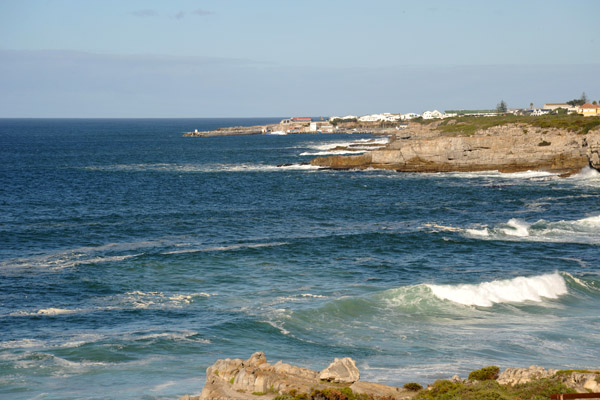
<point x="485" y="374"/>
<point x="480" y="386"/>
<point x="489" y="389"/>
<point x="470" y="124"/>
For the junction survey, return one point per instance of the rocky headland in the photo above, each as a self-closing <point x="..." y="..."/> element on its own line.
<point x="506" y="148"/>
<point x="256" y="379"/>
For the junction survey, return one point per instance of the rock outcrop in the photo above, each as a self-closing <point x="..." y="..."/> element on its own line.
<point x="515" y="376"/>
<point x="580" y="381"/>
<point x="506" y="148"/>
<point x="255" y="378"/>
<point x="341" y="370"/>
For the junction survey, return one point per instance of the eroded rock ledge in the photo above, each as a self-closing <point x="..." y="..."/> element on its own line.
<point x="506" y="148"/>
<point x="256" y="379"/>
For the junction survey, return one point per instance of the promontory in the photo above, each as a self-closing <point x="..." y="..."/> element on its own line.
<point x="505" y="145"/>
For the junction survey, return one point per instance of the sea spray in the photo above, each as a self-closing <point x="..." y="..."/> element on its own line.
<point x="584" y="230"/>
<point x="515" y="290"/>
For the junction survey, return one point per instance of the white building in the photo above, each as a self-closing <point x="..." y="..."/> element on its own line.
<point x="407" y="116"/>
<point x="385" y="117"/>
<point x="554" y="106"/>
<point x="539" y="111"/>
<point x="432" y="114"/>
<point x="347" y="117"/>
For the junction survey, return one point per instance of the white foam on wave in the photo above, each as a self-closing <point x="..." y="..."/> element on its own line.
<point x="198" y="168"/>
<point x="138" y="299"/>
<point x="22" y="344"/>
<point x="62" y="260"/>
<point x="516" y="290"/>
<point x="226" y="248"/>
<point x="346" y="147"/>
<point x="586" y="173"/>
<point x="182" y="336"/>
<point x="332" y="152"/>
<point x="584" y="230"/>
<point x="55" y="311"/>
<point x="531" y="175"/>
<point x="316" y="296"/>
<point x="516" y="227"/>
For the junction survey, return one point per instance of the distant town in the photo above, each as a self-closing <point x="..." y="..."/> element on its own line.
<point x="386" y="123"/>
<point x="322" y="125"/>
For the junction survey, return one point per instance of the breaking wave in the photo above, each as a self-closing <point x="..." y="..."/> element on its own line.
<point x="516" y="290"/>
<point x="585" y="230"/>
<point x="199" y="168"/>
<point x="348" y="147"/>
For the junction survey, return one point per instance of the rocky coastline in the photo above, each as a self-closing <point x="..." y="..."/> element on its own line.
<point x="256" y="379"/>
<point x="505" y="148"/>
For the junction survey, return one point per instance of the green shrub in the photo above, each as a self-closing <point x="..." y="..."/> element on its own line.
<point x="413" y="386"/>
<point x="544" y="143"/>
<point x="485" y="374"/>
<point x="539" y="389"/>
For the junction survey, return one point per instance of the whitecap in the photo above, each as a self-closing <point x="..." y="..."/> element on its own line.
<point x="584" y="230"/>
<point x="516" y="290"/>
<point x="55" y="311"/>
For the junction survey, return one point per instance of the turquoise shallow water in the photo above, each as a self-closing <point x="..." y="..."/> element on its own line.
<point x="132" y="258"/>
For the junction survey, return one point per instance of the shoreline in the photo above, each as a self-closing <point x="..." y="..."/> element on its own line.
<point x="255" y="378"/>
<point x="434" y="147"/>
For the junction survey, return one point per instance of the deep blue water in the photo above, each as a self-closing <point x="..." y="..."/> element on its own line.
<point x="131" y="258"/>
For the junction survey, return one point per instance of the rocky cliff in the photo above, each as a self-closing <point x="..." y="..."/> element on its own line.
<point x="506" y="148"/>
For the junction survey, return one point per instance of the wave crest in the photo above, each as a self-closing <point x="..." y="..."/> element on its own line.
<point x="584" y="230"/>
<point x="515" y="290"/>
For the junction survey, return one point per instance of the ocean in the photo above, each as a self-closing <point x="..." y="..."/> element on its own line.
<point x="132" y="258"/>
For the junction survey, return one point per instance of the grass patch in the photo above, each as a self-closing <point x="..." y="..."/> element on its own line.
<point x="485" y="374"/>
<point x="469" y="125"/>
<point x="413" y="386"/>
<point x="540" y="389"/>
<point x="571" y="371"/>
<point x="325" y="394"/>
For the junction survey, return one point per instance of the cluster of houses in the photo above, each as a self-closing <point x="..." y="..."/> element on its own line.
<point x="388" y="117"/>
<point x="306" y="124"/>
<point x="587" y="109"/>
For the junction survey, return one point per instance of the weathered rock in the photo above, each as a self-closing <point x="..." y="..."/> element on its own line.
<point x="507" y="148"/>
<point x="581" y="382"/>
<point x="514" y="376"/>
<point x="255" y="378"/>
<point x="341" y="370"/>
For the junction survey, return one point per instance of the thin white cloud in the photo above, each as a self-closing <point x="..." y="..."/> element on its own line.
<point x="180" y="15"/>
<point x="202" y="12"/>
<point x="145" y="13"/>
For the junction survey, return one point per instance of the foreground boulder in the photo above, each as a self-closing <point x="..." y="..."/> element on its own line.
<point x="341" y="370"/>
<point x="255" y="378"/>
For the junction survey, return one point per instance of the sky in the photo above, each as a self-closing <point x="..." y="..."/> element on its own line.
<point x="261" y="58"/>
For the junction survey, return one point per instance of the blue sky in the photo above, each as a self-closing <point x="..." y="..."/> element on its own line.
<point x="67" y="58"/>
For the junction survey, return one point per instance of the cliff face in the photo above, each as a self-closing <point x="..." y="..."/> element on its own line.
<point x="507" y="148"/>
